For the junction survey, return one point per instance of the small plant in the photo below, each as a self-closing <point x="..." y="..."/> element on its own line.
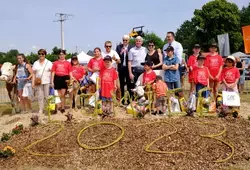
<point x="5" y="137"/>
<point x="7" y="152"/>
<point x="18" y="129"/>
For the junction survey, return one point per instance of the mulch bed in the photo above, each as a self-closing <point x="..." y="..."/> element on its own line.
<point x="129" y="152"/>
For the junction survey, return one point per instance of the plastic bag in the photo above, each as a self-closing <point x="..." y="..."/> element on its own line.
<point x="93" y="99"/>
<point x="174" y="105"/>
<point x="192" y="102"/>
<point x="230" y="98"/>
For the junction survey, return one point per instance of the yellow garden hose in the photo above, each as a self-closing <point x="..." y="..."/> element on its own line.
<point x="147" y="148"/>
<point x="104" y="146"/>
<point x="41" y="140"/>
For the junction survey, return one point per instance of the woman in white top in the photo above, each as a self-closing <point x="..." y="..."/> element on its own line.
<point x="42" y="70"/>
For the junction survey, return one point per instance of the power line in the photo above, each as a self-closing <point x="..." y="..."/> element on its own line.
<point x="62" y="18"/>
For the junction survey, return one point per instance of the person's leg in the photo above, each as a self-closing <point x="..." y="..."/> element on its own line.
<point x="21" y="101"/>
<point x="216" y="87"/>
<point x="40" y="97"/>
<point x="169" y="84"/>
<point x="177" y="84"/>
<point x="122" y="81"/>
<point x="118" y="91"/>
<point x="63" y="92"/>
<point x="27" y="103"/>
<point x="211" y="85"/>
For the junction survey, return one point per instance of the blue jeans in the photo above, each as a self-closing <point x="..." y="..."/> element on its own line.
<point x="198" y="87"/>
<point x="173" y="85"/>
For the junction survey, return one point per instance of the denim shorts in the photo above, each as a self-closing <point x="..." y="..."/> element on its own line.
<point x="106" y="99"/>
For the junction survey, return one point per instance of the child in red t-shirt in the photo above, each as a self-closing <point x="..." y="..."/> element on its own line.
<point x="149" y="75"/>
<point x="108" y="77"/>
<point x="160" y="89"/>
<point x="214" y="63"/>
<point x="201" y="76"/>
<point x="230" y="75"/>
<point x="192" y="63"/>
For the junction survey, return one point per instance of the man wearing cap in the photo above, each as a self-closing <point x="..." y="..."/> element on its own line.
<point x="171" y="68"/>
<point x="192" y="63"/>
<point x="178" y="49"/>
<point x="122" y="50"/>
<point x="214" y="63"/>
<point x="136" y="56"/>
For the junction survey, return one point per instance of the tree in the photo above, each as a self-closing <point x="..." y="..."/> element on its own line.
<point x="218" y="17"/>
<point x="186" y="35"/>
<point x="159" y="43"/>
<point x="245" y="15"/>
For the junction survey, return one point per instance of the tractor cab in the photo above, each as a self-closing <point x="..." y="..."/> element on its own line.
<point x="137" y="31"/>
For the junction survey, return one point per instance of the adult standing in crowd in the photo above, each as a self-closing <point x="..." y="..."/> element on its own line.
<point x="41" y="79"/>
<point x="136" y="56"/>
<point x="214" y="63"/>
<point x="23" y="78"/>
<point x="178" y="50"/>
<point x="154" y="56"/>
<point x="192" y="63"/>
<point x="122" y="50"/>
<point x="115" y="61"/>
<point x="61" y="71"/>
<point x="241" y="66"/>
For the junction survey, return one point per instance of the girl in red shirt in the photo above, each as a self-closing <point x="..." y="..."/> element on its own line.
<point x="214" y="63"/>
<point x="192" y="62"/>
<point x="149" y="75"/>
<point x="61" y="71"/>
<point x="230" y="75"/>
<point x="200" y="76"/>
<point x="96" y="64"/>
<point x="108" y="77"/>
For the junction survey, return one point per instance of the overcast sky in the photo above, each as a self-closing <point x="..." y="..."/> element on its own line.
<point x="27" y="25"/>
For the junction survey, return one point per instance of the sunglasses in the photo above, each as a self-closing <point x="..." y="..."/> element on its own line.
<point x="125" y="40"/>
<point x="108" y="46"/>
<point x="41" y="54"/>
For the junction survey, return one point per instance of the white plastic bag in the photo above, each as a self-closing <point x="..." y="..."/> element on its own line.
<point x="94" y="76"/>
<point x="93" y="99"/>
<point x="28" y="91"/>
<point x="175" y="106"/>
<point x="57" y="98"/>
<point x="192" y="102"/>
<point x="230" y="98"/>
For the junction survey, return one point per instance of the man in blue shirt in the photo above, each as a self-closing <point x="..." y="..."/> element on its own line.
<point x="171" y="66"/>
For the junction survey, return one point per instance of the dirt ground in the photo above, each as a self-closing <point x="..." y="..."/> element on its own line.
<point x="129" y="153"/>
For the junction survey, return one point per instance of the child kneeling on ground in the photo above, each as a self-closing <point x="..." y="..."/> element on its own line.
<point x="200" y="76"/>
<point x="230" y="75"/>
<point x="108" y="77"/>
<point x="160" y="88"/>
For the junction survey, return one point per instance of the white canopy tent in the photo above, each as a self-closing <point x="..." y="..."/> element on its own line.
<point x="83" y="58"/>
<point x="240" y="54"/>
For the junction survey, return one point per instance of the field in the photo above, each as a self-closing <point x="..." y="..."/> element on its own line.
<point x="178" y="134"/>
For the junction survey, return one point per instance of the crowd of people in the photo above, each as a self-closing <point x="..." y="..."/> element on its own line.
<point x="162" y="69"/>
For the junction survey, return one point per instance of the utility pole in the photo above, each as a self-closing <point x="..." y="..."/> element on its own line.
<point x="62" y="18"/>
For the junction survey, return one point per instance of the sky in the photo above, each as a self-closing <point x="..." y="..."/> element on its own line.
<point x="27" y="25"/>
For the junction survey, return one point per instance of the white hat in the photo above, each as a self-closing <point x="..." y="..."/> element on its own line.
<point x="231" y="57"/>
<point x="126" y="37"/>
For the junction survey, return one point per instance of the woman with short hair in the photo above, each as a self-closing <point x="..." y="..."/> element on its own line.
<point x="41" y="79"/>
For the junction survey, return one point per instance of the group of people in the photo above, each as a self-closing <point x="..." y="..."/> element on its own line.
<point x="120" y="68"/>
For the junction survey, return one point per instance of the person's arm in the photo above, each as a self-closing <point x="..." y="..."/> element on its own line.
<point x="243" y="66"/>
<point x="193" y="87"/>
<point x="117" y="58"/>
<point x="178" y="52"/>
<point x="130" y="58"/>
<point x="219" y="73"/>
<point x="174" y="67"/>
<point x="164" y="52"/>
<point x="165" y="67"/>
<point x="52" y="78"/>
<point x="30" y="71"/>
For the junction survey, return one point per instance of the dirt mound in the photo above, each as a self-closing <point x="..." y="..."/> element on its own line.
<point x="129" y="153"/>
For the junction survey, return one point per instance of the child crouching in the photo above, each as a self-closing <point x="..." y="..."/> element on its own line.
<point x="160" y="88"/>
<point x="108" y="77"/>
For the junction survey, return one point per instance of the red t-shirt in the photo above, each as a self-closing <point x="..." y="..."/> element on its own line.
<point x="192" y="62"/>
<point x="96" y="63"/>
<point x="201" y="75"/>
<point x="78" y="72"/>
<point x="230" y="74"/>
<point x="213" y="63"/>
<point x="147" y="77"/>
<point x="108" y="76"/>
<point x="61" y="68"/>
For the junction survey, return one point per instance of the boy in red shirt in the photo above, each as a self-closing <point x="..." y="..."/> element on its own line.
<point x="230" y="75"/>
<point x="192" y="63"/>
<point x="108" y="77"/>
<point x="160" y="89"/>
<point x="148" y="75"/>
<point x="201" y="76"/>
<point x="214" y="63"/>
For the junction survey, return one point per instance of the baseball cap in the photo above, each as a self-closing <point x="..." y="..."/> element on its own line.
<point x="197" y="46"/>
<point x="231" y="58"/>
<point x="107" y="58"/>
<point x="201" y="57"/>
<point x="148" y="63"/>
<point x="169" y="48"/>
<point x="214" y="45"/>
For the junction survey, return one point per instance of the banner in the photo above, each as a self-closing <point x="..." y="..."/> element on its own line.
<point x="224" y="46"/>
<point x="246" y="38"/>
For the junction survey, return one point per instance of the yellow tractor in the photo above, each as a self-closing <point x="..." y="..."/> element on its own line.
<point x="137" y="31"/>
